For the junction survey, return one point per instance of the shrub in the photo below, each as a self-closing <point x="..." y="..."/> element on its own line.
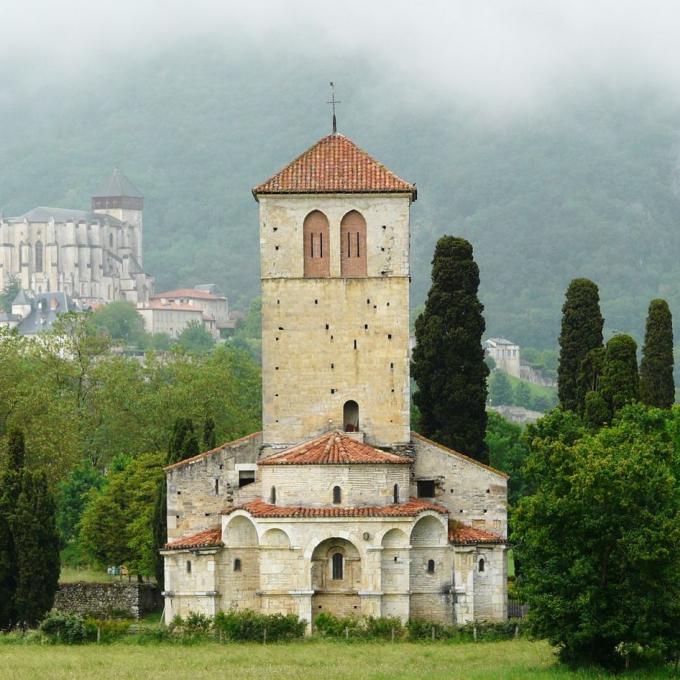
<point x="71" y="629"/>
<point x="486" y="631"/>
<point x="369" y="628"/>
<point x="249" y="625"/>
<point x="108" y="630"/>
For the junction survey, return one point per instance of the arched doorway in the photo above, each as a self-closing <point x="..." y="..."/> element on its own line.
<point x="350" y="416"/>
<point x="336" y="578"/>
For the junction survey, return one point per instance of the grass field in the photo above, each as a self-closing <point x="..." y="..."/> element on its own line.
<point x="514" y="660"/>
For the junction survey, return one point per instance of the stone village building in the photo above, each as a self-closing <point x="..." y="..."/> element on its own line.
<point x="92" y="256"/>
<point x="336" y="506"/>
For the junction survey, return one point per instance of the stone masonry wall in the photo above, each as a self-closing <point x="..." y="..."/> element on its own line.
<point x="104" y="599"/>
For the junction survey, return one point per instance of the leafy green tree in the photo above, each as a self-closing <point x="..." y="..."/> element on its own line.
<point x="540" y="403"/>
<point x="448" y="360"/>
<point x="596" y="411"/>
<point x="581" y="332"/>
<point x="195" y="339"/>
<point x="500" y="389"/>
<point x="122" y="322"/>
<point x="597" y="540"/>
<point x="72" y="497"/>
<point x="10" y="489"/>
<point x="620" y="382"/>
<point x="248" y="335"/>
<point x="657" y="387"/>
<point x="116" y="526"/>
<point x="37" y="549"/>
<point x="522" y="396"/>
<point x="9" y="292"/>
<point x="508" y="452"/>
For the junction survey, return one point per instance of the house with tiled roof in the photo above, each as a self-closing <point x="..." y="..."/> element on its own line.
<point x="336" y="505"/>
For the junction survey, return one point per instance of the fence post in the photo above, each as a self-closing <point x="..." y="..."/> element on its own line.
<point x="264" y="636"/>
<point x="99" y="633"/>
<point x="346" y="632"/>
<point x="474" y="632"/>
<point x="432" y="633"/>
<point x="392" y="634"/>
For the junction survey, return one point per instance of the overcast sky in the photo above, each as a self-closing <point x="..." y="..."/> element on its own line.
<point x="495" y="52"/>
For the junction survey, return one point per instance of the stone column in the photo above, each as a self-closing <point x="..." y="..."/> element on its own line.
<point x="303" y="602"/>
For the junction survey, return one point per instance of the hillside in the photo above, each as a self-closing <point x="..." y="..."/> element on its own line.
<point x="585" y="187"/>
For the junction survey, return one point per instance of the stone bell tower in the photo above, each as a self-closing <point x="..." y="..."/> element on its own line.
<point x="334" y="256"/>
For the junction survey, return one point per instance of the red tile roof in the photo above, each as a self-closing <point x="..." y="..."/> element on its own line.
<point x="171" y="307"/>
<point x="462" y="534"/>
<point x="204" y="539"/>
<point x="187" y="293"/>
<point x="335" y="164"/>
<point x="409" y="509"/>
<point x="334" y="448"/>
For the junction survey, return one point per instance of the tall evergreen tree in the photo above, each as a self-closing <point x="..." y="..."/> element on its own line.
<point x="448" y="360"/>
<point x="10" y="488"/>
<point x="581" y="332"/>
<point x="36" y="539"/>
<point x="500" y="389"/>
<point x="657" y="387"/>
<point x="209" y="439"/>
<point x="619" y="382"/>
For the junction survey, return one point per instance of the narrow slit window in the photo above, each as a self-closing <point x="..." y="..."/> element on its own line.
<point x="337" y="567"/>
<point x="395" y="493"/>
<point x="237" y="564"/>
<point x="188" y="566"/>
<point x="481" y="564"/>
<point x="349" y="245"/>
<point x="358" y="246"/>
<point x="321" y="245"/>
<point x="311" y="245"/>
<point x="272" y="496"/>
<point x="430" y="566"/>
<point x="217" y="487"/>
<point x="337" y="495"/>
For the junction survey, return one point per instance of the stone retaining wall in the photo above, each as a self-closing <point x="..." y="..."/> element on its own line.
<point x="106" y="599"/>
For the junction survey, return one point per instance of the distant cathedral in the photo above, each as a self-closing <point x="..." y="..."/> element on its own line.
<point x="94" y="256"/>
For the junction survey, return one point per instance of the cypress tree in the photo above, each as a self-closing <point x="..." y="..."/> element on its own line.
<point x="581" y="332"/>
<point x="448" y="360"/>
<point x="209" y="439"/>
<point x="500" y="389"/>
<point x="619" y="382"/>
<point x="657" y="387"/>
<point x="589" y="374"/>
<point x="10" y="488"/>
<point x="36" y="540"/>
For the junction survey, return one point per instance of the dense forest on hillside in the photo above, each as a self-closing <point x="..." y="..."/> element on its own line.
<point x="586" y="186"/>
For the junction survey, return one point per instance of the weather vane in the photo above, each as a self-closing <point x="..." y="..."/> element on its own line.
<point x="333" y="102"/>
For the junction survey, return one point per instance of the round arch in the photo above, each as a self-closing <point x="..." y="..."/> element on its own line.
<point x="353" y="245"/>
<point x="316" y="242"/>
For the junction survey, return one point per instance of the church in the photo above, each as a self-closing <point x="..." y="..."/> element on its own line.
<point x="93" y="256"/>
<point x="336" y="506"/>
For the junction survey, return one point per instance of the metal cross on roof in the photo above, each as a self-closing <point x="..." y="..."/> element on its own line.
<point x="333" y="102"/>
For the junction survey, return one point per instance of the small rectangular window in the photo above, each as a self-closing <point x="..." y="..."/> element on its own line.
<point x="425" y="488"/>
<point x="188" y="566"/>
<point x="246" y="477"/>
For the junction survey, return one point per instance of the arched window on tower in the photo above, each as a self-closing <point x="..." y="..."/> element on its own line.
<point x="350" y="416"/>
<point x="38" y="256"/>
<point x="353" y="245"/>
<point x="316" y="240"/>
<point x="337" y="495"/>
<point x="395" y="494"/>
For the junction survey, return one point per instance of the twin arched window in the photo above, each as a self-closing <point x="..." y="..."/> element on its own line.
<point x="316" y="237"/>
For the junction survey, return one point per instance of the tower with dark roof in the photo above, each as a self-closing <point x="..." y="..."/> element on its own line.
<point x="119" y="197"/>
<point x="334" y="256"/>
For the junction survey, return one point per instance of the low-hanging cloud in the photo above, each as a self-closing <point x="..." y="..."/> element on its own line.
<point x="497" y="53"/>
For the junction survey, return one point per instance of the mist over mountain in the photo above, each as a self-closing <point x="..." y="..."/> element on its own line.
<point x="585" y="184"/>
